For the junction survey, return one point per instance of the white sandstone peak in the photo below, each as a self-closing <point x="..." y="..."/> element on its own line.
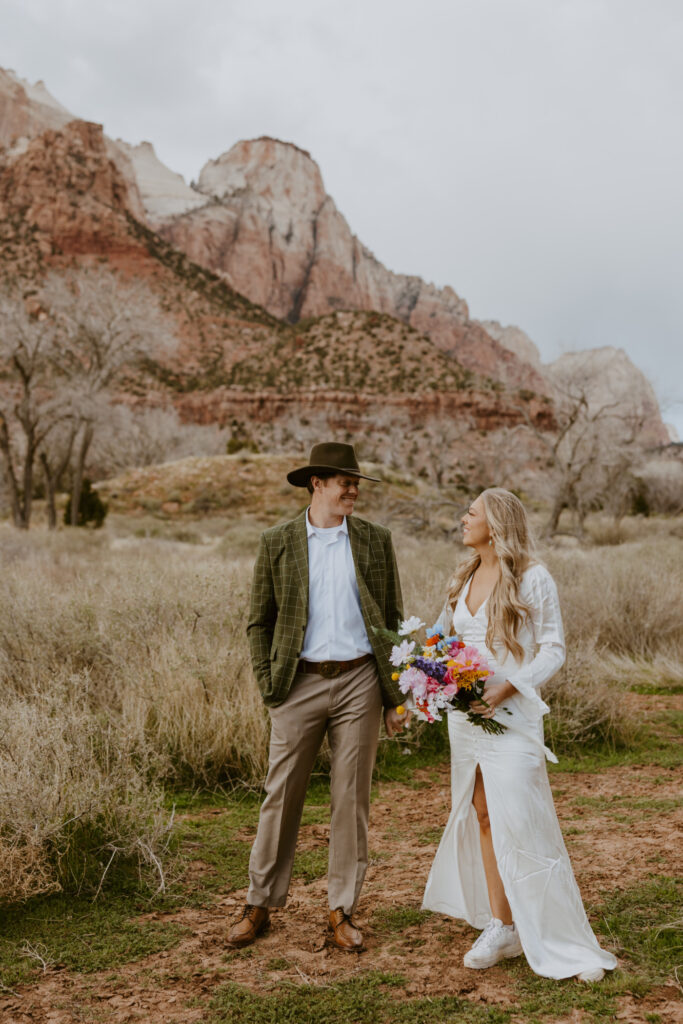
<point x="38" y="92"/>
<point x="610" y="376"/>
<point x="515" y="340"/>
<point x="283" y="179"/>
<point x="164" y="192"/>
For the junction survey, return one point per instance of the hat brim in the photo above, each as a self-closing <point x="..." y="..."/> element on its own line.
<point x="300" y="477"/>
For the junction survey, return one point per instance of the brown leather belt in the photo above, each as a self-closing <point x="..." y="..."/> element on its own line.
<point x="330" y="669"/>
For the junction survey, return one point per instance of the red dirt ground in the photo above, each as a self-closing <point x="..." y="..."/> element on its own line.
<point x="176" y="985"/>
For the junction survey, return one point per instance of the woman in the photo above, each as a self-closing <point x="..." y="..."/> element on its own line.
<point x="502" y="863"/>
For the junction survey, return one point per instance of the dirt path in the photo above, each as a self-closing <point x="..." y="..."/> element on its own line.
<point x="612" y="842"/>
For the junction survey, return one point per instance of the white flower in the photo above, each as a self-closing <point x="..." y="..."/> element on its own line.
<point x="401" y="653"/>
<point x="410" y="625"/>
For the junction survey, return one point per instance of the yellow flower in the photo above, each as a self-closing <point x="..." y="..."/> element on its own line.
<point x="400" y="710"/>
<point x="450" y="664"/>
<point x="395" y="676"/>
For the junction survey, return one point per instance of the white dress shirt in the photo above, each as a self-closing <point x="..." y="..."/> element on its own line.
<point x="335" y="629"/>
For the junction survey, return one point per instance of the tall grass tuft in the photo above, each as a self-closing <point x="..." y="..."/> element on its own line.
<point x="79" y="797"/>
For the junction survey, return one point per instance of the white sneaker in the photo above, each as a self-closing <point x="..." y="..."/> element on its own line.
<point x="497" y="942"/>
<point x="594" y="974"/>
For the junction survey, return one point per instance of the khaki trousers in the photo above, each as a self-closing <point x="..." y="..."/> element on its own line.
<point x="347" y="708"/>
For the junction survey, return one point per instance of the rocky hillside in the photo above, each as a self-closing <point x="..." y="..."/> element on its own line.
<point x="63" y="200"/>
<point x="27" y="111"/>
<point x="284" y="317"/>
<point x="268" y="226"/>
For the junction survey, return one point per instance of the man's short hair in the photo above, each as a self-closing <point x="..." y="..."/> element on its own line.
<point x="324" y="474"/>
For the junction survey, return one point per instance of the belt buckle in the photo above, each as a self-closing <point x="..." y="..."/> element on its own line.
<point x="328" y="669"/>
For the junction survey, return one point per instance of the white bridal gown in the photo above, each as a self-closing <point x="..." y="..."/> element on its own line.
<point x="532" y="859"/>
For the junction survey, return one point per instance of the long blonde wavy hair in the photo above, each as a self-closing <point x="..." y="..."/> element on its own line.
<point x="512" y="541"/>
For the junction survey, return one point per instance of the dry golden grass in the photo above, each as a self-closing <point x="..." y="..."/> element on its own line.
<point x="125" y="668"/>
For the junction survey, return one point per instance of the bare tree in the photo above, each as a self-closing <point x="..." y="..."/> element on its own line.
<point x="596" y="443"/>
<point x="62" y="352"/>
<point x="145" y="437"/>
<point x="106" y="326"/>
<point x="55" y="456"/>
<point x="31" y="404"/>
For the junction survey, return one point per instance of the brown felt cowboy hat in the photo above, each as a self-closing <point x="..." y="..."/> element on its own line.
<point x="329" y="457"/>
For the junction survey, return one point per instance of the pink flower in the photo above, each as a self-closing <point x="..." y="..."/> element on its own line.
<point x="468" y="660"/>
<point x="413" y="680"/>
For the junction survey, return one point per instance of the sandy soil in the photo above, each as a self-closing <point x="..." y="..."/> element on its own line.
<point x="607" y="854"/>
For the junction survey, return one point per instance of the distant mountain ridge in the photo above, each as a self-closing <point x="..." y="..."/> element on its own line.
<point x="363" y="375"/>
<point x="260" y="219"/>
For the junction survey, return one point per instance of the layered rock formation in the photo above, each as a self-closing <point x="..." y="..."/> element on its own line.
<point x="26" y="111"/>
<point x="273" y="232"/>
<point x="365" y="375"/>
<point x="260" y="219"/>
<point x="61" y="194"/>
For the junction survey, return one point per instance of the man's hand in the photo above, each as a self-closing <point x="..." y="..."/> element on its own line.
<point x="393" y="722"/>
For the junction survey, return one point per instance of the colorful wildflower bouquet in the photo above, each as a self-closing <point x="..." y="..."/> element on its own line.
<point x="443" y="673"/>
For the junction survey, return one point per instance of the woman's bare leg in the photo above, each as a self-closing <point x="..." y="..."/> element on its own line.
<point x="497" y="898"/>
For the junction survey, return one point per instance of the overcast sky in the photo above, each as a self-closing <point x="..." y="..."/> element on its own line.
<point x="527" y="152"/>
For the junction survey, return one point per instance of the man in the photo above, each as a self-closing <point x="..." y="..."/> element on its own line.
<point x="321" y="583"/>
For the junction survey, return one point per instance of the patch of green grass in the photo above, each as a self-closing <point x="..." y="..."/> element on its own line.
<point x="542" y="1000"/>
<point x="315" y="814"/>
<point x="78" y="934"/>
<point x="655" y="689"/>
<point x="192" y="801"/>
<point x="428" y="836"/>
<point x="644" y="805"/>
<point x="646" y="926"/>
<point x="396" y="919"/>
<point x="224" y="842"/>
<point x="277" y="963"/>
<point x="211" y="840"/>
<point x="658" y="743"/>
<point x="428" y="746"/>
<point x="310" y="864"/>
<point x="370" y="998"/>
<point x="665" y="754"/>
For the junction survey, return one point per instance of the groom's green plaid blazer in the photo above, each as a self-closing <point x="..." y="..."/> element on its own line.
<point x="279" y="602"/>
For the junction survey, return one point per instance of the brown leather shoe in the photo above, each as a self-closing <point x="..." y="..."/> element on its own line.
<point x="253" y="921"/>
<point x="345" y="934"/>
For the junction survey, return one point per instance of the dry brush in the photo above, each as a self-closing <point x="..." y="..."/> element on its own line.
<point x="125" y="673"/>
